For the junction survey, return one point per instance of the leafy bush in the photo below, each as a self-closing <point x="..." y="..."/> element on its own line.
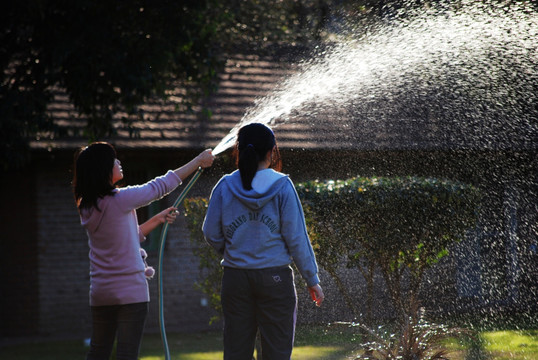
<point x="209" y="265"/>
<point x="399" y="224"/>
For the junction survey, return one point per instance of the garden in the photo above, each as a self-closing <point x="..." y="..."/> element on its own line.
<point x="459" y="81"/>
<point x="399" y="227"/>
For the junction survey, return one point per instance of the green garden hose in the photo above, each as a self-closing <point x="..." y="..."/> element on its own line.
<point x="162" y="240"/>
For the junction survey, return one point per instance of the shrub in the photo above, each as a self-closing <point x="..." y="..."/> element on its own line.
<point x="398" y="224"/>
<point x="209" y="265"/>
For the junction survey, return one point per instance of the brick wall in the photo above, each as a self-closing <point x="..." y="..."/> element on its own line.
<point x="63" y="255"/>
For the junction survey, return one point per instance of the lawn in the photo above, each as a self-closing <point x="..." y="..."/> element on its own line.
<point x="312" y="343"/>
<point x="504" y="345"/>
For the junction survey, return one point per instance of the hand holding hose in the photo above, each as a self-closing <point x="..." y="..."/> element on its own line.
<point x="169" y="215"/>
<point x="205" y="158"/>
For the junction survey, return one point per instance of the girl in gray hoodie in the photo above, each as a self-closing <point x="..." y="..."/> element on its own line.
<point x="256" y="221"/>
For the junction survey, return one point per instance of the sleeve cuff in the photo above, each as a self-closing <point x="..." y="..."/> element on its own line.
<point x="141" y="236"/>
<point x="314" y="280"/>
<point x="176" y="177"/>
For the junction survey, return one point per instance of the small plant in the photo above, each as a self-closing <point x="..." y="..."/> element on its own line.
<point x="417" y="339"/>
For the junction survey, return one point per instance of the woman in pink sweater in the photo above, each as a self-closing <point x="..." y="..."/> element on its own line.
<point x="119" y="292"/>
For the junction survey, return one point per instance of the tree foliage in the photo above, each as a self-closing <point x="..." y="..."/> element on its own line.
<point x="106" y="55"/>
<point x="403" y="226"/>
<point x="110" y="56"/>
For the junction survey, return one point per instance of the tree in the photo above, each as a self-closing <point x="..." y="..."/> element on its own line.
<point x="106" y="55"/>
<point x="402" y="226"/>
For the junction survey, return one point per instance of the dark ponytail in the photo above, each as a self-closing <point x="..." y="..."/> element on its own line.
<point x="253" y="142"/>
<point x="248" y="165"/>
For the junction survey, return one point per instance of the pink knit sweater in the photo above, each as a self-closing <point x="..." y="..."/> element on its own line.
<point x="116" y="267"/>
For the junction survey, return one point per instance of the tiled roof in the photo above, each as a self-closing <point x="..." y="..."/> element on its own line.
<point x="167" y="123"/>
<point x="412" y="123"/>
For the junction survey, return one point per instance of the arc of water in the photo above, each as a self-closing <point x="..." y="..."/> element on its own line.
<point x="479" y="53"/>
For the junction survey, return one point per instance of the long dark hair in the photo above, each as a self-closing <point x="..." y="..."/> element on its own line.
<point x="253" y="142"/>
<point x="93" y="174"/>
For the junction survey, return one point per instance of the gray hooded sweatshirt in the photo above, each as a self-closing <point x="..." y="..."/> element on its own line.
<point x="260" y="228"/>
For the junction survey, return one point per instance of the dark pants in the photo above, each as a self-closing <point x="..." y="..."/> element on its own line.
<point x="125" y="321"/>
<point x="259" y="299"/>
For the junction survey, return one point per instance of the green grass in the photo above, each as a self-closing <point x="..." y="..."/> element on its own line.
<point x="312" y="343"/>
<point x="500" y="345"/>
<point x="507" y="344"/>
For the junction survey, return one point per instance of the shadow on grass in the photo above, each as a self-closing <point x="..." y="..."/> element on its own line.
<point x="311" y="343"/>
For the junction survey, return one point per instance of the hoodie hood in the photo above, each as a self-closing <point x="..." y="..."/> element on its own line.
<point x="265" y="185"/>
